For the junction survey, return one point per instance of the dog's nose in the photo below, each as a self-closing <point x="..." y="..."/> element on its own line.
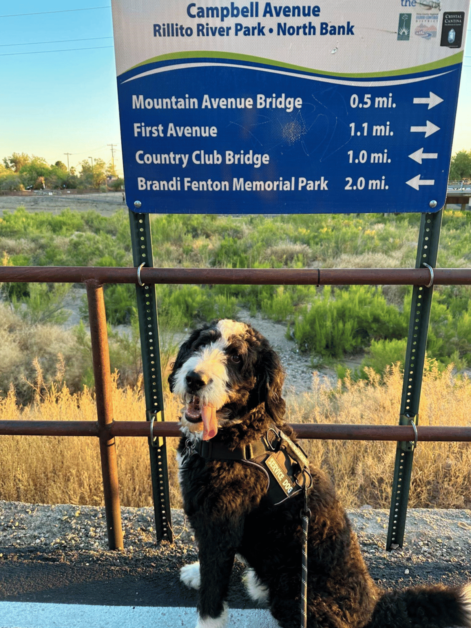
<point x="196" y="381"/>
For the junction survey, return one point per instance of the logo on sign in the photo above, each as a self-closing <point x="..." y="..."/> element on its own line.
<point x="452" y="29"/>
<point x="426" y="25"/>
<point x="403" y="30"/>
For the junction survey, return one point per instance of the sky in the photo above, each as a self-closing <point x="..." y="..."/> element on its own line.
<point x="52" y="103"/>
<point x="58" y="82"/>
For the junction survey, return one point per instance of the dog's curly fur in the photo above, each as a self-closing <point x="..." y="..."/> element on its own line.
<point x="227" y="506"/>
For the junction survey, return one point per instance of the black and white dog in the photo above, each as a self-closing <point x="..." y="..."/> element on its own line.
<point x="230" y="380"/>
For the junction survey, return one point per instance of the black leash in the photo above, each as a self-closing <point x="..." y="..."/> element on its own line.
<point x="305" y="516"/>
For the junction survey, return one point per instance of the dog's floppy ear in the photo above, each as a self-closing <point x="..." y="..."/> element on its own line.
<point x="270" y="378"/>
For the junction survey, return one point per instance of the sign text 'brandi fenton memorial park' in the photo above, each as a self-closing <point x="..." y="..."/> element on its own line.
<point x="265" y="107"/>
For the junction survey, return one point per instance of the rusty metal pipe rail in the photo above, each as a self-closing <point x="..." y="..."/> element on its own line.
<point x="171" y="429"/>
<point x="238" y="276"/>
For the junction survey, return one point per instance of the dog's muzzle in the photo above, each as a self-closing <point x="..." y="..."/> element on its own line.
<point x="195" y="382"/>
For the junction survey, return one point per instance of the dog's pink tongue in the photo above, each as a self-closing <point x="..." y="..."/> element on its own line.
<point x="210" y="422"/>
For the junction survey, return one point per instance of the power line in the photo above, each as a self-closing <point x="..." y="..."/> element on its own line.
<point x="91" y="150"/>
<point x="61" y="11"/>
<point x="57" y="41"/>
<point x="40" y="52"/>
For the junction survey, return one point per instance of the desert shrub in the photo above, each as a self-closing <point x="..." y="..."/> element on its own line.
<point x="280" y="306"/>
<point x="35" y="356"/>
<point x="230" y="254"/>
<point x="27" y="349"/>
<point x="343" y="321"/>
<point x="44" y="303"/>
<point x="382" y="354"/>
<point x="287" y="253"/>
<point x="218" y="306"/>
<point x="120" y="302"/>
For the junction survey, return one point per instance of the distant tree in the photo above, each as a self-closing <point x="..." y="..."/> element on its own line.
<point x="57" y="177"/>
<point x="111" y="170"/>
<point x="460" y="166"/>
<point x="99" y="173"/>
<point x="11" y="182"/>
<point x="61" y="165"/>
<point x="34" y="174"/>
<point x="92" y="177"/>
<point x="72" y="182"/>
<point x="86" y="174"/>
<point x="16" y="161"/>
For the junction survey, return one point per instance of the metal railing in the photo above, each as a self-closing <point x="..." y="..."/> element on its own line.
<point x="106" y="429"/>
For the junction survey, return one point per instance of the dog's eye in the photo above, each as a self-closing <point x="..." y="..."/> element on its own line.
<point x="235" y="358"/>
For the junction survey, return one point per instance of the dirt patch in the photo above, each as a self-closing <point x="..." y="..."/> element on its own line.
<point x="299" y="370"/>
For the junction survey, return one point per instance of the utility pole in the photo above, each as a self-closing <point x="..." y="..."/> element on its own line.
<point x="68" y="166"/>
<point x="112" y="146"/>
<point x="93" y="171"/>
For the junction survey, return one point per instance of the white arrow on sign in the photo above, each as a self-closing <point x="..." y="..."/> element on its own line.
<point x="416" y="182"/>
<point x="430" y="129"/>
<point x="419" y="155"/>
<point x="432" y="101"/>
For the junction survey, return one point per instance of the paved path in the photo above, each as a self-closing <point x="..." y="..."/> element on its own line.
<point x="16" y="615"/>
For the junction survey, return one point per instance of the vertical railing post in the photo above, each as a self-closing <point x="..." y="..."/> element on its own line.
<point x="427" y="251"/>
<point x="150" y="351"/>
<point x="101" y="370"/>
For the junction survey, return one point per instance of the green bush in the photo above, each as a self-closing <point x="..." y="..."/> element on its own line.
<point x="383" y="353"/>
<point x="280" y="307"/>
<point x="344" y="321"/>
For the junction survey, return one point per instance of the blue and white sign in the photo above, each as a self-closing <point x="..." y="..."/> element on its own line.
<point x="282" y="107"/>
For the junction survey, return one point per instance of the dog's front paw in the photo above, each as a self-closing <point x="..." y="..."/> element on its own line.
<point x="190" y="575"/>
<point x="214" y="622"/>
<point x="257" y="591"/>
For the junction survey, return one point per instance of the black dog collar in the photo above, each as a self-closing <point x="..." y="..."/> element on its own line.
<point x="210" y="450"/>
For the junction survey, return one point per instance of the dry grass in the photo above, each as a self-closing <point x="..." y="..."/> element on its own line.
<point x="67" y="470"/>
<point x="363" y="471"/>
<point x="47" y="469"/>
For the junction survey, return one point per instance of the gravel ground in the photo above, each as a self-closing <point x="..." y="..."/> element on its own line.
<point x="40" y="544"/>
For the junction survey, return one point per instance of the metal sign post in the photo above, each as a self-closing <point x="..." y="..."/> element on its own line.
<point x="150" y="349"/>
<point x="421" y="305"/>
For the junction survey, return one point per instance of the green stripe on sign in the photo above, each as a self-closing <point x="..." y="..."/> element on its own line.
<point x="211" y="54"/>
